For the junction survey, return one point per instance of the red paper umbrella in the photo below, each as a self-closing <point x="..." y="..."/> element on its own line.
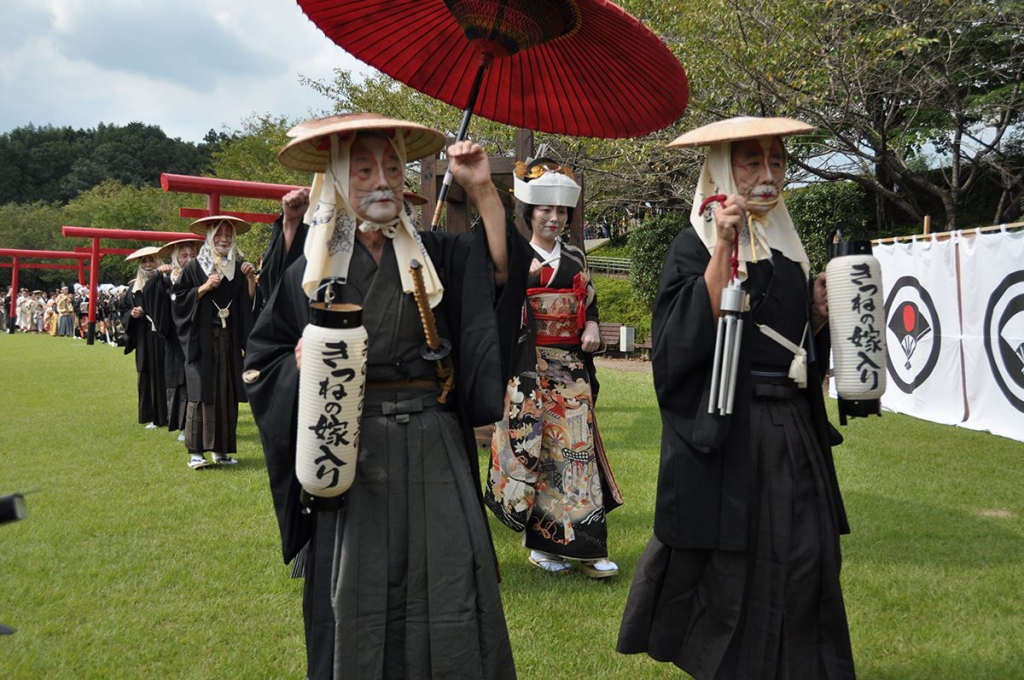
<point x="574" y="67"/>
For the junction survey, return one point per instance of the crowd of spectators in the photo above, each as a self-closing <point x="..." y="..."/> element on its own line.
<point x="65" y="312"/>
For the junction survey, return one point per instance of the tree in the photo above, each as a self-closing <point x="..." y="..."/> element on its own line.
<point x="888" y="84"/>
<point x="56" y="164"/>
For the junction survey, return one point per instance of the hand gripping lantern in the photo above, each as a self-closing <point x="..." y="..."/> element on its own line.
<point x="856" y="309"/>
<point x="331" y="386"/>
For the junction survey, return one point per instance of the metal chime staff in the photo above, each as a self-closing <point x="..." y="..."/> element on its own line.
<point x="730" y="329"/>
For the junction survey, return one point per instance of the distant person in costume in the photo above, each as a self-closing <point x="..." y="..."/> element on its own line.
<point x="741" y="577"/>
<point x="400" y="575"/>
<point x="549" y="475"/>
<point x="145" y="341"/>
<point x="158" y="299"/>
<point x="65" y="314"/>
<point x="213" y="308"/>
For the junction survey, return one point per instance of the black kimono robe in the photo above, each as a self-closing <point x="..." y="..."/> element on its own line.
<point x="143" y="339"/>
<point x="157" y="298"/>
<point x="704" y="479"/>
<point x="481" y="324"/>
<point x="195" y="318"/>
<point x="741" y="578"/>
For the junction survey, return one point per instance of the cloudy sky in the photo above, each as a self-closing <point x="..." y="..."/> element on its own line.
<point x="185" y="65"/>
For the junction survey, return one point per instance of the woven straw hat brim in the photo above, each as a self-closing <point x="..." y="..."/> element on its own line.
<point x="308" y="152"/>
<point x="165" y="251"/>
<point x="143" y="252"/>
<point x="200" y="226"/>
<point x="740" y="128"/>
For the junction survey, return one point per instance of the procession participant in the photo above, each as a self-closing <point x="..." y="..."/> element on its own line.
<point x="401" y="578"/>
<point x="38" y="311"/>
<point x="158" y="300"/>
<point x="287" y="240"/>
<point x="5" y="309"/>
<point x="143" y="339"/>
<point x="66" y="314"/>
<point x="50" y="315"/>
<point x="741" y="577"/>
<point x="82" y="307"/>
<point x="549" y="474"/>
<point x="213" y="310"/>
<point x="24" y="305"/>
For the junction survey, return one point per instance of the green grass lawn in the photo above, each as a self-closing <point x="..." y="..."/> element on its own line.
<point x="130" y="565"/>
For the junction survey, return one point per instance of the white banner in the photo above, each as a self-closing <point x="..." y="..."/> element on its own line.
<point x="922" y="330"/>
<point x="992" y="280"/>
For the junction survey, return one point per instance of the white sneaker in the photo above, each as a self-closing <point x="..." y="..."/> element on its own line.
<point x="181" y="437"/>
<point x="196" y="461"/>
<point x="151" y="426"/>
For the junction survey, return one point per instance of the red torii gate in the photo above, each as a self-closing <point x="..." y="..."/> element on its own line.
<point x="94" y="253"/>
<point x="214" y="188"/>
<point x="17" y="254"/>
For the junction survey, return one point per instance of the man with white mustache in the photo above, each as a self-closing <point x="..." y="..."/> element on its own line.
<point x="400" y="575"/>
<point x="741" y="576"/>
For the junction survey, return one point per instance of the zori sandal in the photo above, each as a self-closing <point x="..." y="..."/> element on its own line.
<point x="549" y="563"/>
<point x="602" y="568"/>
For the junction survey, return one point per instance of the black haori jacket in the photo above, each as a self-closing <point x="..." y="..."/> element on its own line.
<point x="705" y="477"/>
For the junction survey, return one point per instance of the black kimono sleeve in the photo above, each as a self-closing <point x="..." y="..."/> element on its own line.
<point x="275" y="260"/>
<point x="272" y="383"/>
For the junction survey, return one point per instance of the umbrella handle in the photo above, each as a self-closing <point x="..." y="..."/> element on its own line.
<point x="485" y="60"/>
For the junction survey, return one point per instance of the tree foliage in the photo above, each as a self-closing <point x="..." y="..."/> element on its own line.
<point x="648" y="244"/>
<point x="57" y="163"/>
<point x="889" y="84"/>
<point x="820" y="211"/>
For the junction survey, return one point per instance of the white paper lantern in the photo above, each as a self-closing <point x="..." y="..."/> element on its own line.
<point x="856" y="309"/>
<point x="331" y="385"/>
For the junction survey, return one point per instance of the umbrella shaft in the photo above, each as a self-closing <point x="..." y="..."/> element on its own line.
<point x="467" y="114"/>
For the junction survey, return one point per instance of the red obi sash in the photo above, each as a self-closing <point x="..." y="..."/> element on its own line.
<point x="559" y="313"/>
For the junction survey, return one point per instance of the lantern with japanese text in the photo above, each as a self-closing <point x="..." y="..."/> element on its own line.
<point x="856" y="310"/>
<point x="331" y="385"/>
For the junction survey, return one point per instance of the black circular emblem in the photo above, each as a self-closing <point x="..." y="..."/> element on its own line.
<point x="913" y="334"/>
<point x="1004" y="337"/>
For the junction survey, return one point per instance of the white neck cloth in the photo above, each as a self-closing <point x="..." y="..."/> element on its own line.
<point x="332" y="224"/>
<point x="772" y="230"/>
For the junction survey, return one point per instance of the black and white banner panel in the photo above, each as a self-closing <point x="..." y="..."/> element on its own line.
<point x="922" y="330"/>
<point x="992" y="280"/>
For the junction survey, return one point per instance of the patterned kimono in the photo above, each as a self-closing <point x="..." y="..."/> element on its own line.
<point x="549" y="473"/>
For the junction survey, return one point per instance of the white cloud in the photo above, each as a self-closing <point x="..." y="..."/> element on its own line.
<point x="185" y="65"/>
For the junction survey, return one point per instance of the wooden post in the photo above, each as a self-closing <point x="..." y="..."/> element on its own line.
<point x="927" y="224"/>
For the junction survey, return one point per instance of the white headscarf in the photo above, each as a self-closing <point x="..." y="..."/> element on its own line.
<point x="332" y="225"/>
<point x="176" y="268"/>
<point x="141" y="276"/>
<point x="213" y="262"/>
<point x="773" y="230"/>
